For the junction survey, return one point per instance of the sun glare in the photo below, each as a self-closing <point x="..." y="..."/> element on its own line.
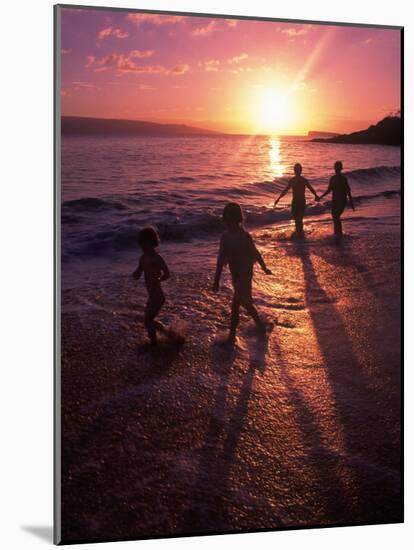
<point x="272" y="110"/>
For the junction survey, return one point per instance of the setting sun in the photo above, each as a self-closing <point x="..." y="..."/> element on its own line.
<point x="272" y="110"/>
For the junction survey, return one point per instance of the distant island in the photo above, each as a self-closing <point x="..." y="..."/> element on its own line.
<point x="315" y="134"/>
<point x="386" y="132"/>
<point x="75" y="125"/>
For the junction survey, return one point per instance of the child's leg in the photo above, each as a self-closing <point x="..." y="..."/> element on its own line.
<point x="252" y="311"/>
<point x="337" y="226"/>
<point x="246" y="300"/>
<point x="235" y="314"/>
<point x="337" y="211"/>
<point x="153" y="308"/>
<point x="336" y="218"/>
<point x="299" y="224"/>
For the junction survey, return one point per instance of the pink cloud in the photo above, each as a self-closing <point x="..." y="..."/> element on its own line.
<point x="211" y="65"/>
<point x="127" y="64"/>
<point x="118" y="61"/>
<point x="90" y="60"/>
<point x="112" y="31"/>
<point x="87" y="85"/>
<point x="231" y="22"/>
<point x="180" y="69"/>
<point x="236" y="59"/>
<point x="141" y="54"/>
<point x="146" y="87"/>
<point x="64" y="51"/>
<point x="207" y="30"/>
<point x="293" y="31"/>
<point x="154" y="19"/>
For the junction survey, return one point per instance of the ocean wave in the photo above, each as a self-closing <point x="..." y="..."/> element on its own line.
<point x="123" y="234"/>
<point x="92" y="203"/>
<point x="364" y="175"/>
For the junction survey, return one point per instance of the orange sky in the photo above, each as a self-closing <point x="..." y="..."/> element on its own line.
<point x="237" y="76"/>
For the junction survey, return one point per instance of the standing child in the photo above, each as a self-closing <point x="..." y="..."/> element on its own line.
<point x="238" y="250"/>
<point x="339" y="187"/>
<point x="298" y="184"/>
<point x="155" y="271"/>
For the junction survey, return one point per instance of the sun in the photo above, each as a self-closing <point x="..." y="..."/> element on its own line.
<point x="272" y="110"/>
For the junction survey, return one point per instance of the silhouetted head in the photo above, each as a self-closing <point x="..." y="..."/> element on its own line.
<point x="148" y="238"/>
<point x="232" y="214"/>
<point x="297" y="169"/>
<point x="338" y="166"/>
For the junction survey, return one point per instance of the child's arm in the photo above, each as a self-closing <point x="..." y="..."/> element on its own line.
<point x="219" y="267"/>
<point x="165" y="271"/>
<point x="351" y="200"/>
<point x="259" y="259"/>
<point x="282" y="194"/>
<point x="327" y="191"/>
<point x="312" y="190"/>
<point x="138" y="272"/>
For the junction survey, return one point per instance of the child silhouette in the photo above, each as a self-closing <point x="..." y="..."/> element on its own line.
<point x="339" y="187"/>
<point x="298" y="184"/>
<point x="238" y="250"/>
<point x="155" y="271"/>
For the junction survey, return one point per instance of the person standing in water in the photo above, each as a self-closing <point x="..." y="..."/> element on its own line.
<point x="237" y="249"/>
<point x="298" y="184"/>
<point x="339" y="187"/>
<point x="155" y="271"/>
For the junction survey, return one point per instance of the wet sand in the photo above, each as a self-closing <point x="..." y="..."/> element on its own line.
<point x="301" y="428"/>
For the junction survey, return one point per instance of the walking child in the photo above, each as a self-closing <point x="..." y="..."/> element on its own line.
<point x="339" y="187"/>
<point x="155" y="272"/>
<point x="238" y="250"/>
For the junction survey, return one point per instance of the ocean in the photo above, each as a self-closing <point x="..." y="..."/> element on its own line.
<point x="111" y="187"/>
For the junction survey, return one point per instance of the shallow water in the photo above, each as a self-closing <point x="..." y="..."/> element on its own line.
<point x="113" y="186"/>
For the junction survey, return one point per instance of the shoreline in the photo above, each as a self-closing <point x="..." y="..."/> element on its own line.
<point x="297" y="429"/>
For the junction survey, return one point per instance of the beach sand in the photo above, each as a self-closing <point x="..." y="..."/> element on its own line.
<point x="300" y="428"/>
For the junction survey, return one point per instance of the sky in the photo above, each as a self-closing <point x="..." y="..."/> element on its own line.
<point x="236" y="76"/>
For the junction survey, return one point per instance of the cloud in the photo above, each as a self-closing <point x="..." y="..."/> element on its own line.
<point x="211" y="65"/>
<point x="146" y="87"/>
<point x="292" y="32"/>
<point x="64" y="51"/>
<point x="369" y="40"/>
<point x="206" y="30"/>
<point x="124" y="63"/>
<point x="79" y="84"/>
<point x="154" y="19"/>
<point x="231" y="22"/>
<point x="236" y="59"/>
<point x="241" y="70"/>
<point x="127" y="63"/>
<point x="300" y="86"/>
<point x="112" y="31"/>
<point x="141" y="54"/>
<point x="180" y="69"/>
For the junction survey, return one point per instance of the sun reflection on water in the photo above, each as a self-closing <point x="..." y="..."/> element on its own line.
<point x="277" y="167"/>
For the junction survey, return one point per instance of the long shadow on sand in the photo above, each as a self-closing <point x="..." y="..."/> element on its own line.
<point x="368" y="443"/>
<point x="211" y="492"/>
<point x="328" y="500"/>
